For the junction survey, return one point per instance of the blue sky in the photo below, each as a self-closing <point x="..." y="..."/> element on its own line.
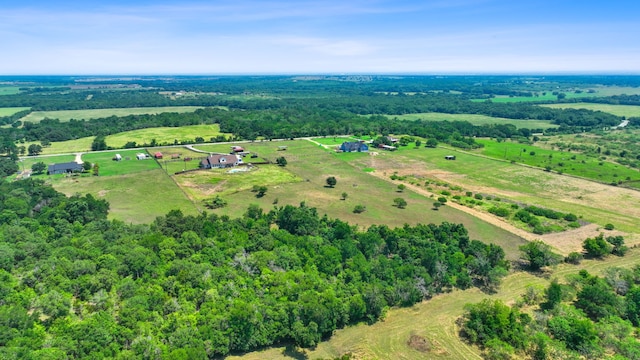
<point x="331" y="36"/>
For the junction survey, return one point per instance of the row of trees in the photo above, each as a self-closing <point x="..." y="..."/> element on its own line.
<point x="73" y="284"/>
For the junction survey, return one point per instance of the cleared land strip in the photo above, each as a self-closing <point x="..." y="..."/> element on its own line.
<point x="473" y="212"/>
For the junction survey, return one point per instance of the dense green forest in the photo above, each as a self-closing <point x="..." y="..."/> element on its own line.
<point x="74" y="285"/>
<point x="589" y="316"/>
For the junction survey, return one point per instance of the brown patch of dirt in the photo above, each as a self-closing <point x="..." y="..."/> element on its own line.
<point x="571" y="240"/>
<point x="205" y="189"/>
<point x="419" y="343"/>
<point x="102" y="193"/>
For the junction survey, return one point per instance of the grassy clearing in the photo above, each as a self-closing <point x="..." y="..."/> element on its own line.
<point x="66" y="115"/>
<point x="619" y="110"/>
<point x="566" y="162"/>
<point x="333" y="140"/>
<point x="433" y="319"/>
<point x="164" y="134"/>
<point x="110" y="167"/>
<point x="27" y="162"/>
<point x="8" y="111"/>
<point x="478" y="120"/>
<point x="596" y="91"/>
<point x="310" y="165"/>
<point x="9" y="90"/>
<point x="134" y="198"/>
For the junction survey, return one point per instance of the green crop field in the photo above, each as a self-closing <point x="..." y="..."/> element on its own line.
<point x="619" y="110"/>
<point x="8" y="111"/>
<point x="434" y="320"/>
<point x="66" y="115"/>
<point x="477" y="120"/>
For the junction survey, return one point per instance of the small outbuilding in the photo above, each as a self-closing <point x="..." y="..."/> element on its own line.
<point x="158" y="155"/>
<point x="141" y="156"/>
<point x="450" y="157"/>
<point x="237" y="149"/>
<point x="118" y="157"/>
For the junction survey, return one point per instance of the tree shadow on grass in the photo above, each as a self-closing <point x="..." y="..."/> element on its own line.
<point x="295" y="352"/>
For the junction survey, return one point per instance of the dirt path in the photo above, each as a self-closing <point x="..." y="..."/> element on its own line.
<point x="473" y="212"/>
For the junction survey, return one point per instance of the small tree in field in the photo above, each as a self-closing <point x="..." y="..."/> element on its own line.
<point x="96" y="170"/>
<point x="281" y="161"/>
<point x="401" y="187"/>
<point x="344" y="196"/>
<point x="436" y="205"/>
<point x="331" y="181"/>
<point x="359" y="209"/>
<point x="400" y="203"/>
<point x="38" y="167"/>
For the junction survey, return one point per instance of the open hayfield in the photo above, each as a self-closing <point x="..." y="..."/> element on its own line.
<point x="561" y="161"/>
<point x="66" y="115"/>
<point x="433" y="320"/>
<point x="619" y="110"/>
<point x="595" y="202"/>
<point x="164" y="135"/>
<point x="137" y="197"/>
<point x="595" y="91"/>
<point x="477" y="120"/>
<point x="310" y="165"/>
<point x="8" y="111"/>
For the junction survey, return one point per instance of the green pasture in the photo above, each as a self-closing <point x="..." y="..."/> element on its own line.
<point x="478" y="120"/>
<point x="65" y="147"/>
<point x="109" y="167"/>
<point x="9" y="90"/>
<point x="597" y="203"/>
<point x="66" y="115"/>
<point x="313" y="164"/>
<point x="8" y="111"/>
<point x="598" y="91"/>
<point x="137" y="197"/>
<point x="164" y="134"/>
<point x="619" y="110"/>
<point x="566" y="162"/>
<point x="433" y="319"/>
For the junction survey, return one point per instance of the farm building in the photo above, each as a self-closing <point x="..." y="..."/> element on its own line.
<point x="118" y="157"/>
<point x="387" y="147"/>
<point x="141" y="156"/>
<point x="158" y="155"/>
<point x="220" y="161"/>
<point x="450" y="157"/>
<point x="392" y="139"/>
<point x="237" y="149"/>
<point x="64" y="168"/>
<point x="354" y="146"/>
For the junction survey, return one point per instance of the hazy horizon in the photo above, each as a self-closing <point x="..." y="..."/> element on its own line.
<point x="458" y="37"/>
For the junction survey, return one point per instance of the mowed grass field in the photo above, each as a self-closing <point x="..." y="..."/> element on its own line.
<point x="66" y="115"/>
<point x="8" y="111"/>
<point x="619" y="110"/>
<point x="434" y="320"/>
<point x="477" y="120"/>
<point x="304" y="180"/>
<point x="599" y="91"/>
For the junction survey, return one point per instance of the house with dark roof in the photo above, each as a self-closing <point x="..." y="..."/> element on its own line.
<point x="220" y="161"/>
<point x="64" y="168"/>
<point x="354" y="146"/>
